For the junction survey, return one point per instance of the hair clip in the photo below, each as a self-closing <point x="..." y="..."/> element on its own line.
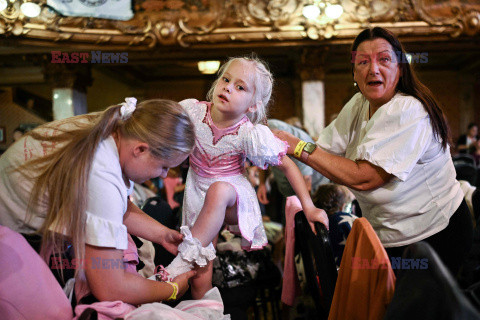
<point x="128" y="107"/>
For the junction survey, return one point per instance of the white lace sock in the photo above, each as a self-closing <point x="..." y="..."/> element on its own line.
<point x="190" y="252"/>
<point x="177" y="267"/>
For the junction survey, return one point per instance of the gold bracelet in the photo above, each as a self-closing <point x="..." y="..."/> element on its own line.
<point x="299" y="148"/>
<point x="175" y="290"/>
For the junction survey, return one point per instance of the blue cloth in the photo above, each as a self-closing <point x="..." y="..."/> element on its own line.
<point x="282" y="182"/>
<point x="340" y="226"/>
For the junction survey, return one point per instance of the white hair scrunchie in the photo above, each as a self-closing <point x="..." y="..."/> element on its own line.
<point x="128" y="107"/>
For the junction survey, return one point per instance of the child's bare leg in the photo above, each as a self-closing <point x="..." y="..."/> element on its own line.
<point x="220" y="201"/>
<point x="202" y="282"/>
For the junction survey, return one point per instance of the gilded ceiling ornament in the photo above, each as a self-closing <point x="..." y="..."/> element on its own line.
<point x="463" y="16"/>
<point x="370" y="10"/>
<point x="263" y="12"/>
<point x="321" y="32"/>
<point x="165" y="32"/>
<point x="215" y="23"/>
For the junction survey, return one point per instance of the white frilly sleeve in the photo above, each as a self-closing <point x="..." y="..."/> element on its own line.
<point x="262" y="147"/>
<point x="102" y="232"/>
<point x="397" y="136"/>
<point x="191" y="107"/>
<point x="107" y="199"/>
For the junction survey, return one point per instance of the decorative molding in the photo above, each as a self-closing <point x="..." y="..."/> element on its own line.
<point x="363" y="11"/>
<point x="463" y="16"/>
<point x="217" y="23"/>
<point x="274" y="13"/>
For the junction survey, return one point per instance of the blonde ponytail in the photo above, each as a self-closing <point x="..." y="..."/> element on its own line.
<point x="62" y="175"/>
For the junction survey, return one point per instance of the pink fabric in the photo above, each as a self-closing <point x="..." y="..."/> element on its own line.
<point x="130" y="261"/>
<point x="107" y="310"/>
<point x="219" y="133"/>
<point x="130" y="256"/>
<point x="170" y="184"/>
<point x="254" y="142"/>
<point x="224" y="165"/>
<point x="195" y="311"/>
<point x="28" y="289"/>
<point x="291" y="285"/>
<point x="209" y="307"/>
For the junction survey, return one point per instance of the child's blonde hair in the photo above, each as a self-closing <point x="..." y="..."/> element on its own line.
<point x="263" y="83"/>
<point x="63" y="174"/>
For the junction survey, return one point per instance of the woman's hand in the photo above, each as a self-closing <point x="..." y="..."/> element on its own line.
<point x="170" y="239"/>
<point x="182" y="281"/>
<point x="313" y="215"/>
<point x="287" y="137"/>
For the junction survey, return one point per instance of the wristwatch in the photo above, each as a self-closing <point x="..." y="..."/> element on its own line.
<point x="307" y="150"/>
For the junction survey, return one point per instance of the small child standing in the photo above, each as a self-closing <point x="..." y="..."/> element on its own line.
<point x="217" y="191"/>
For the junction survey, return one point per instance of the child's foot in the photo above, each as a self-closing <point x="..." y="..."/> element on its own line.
<point x="160" y="274"/>
<point x="177" y="267"/>
<point x="190" y="252"/>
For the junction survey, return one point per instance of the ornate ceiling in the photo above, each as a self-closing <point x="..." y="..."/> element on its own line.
<point x="159" y="24"/>
<point x="166" y="38"/>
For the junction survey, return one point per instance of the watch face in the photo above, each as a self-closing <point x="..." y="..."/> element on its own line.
<point x="309" y="147"/>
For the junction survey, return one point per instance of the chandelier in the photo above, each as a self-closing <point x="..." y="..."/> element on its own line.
<point x="315" y="9"/>
<point x="208" y="67"/>
<point x="12" y="8"/>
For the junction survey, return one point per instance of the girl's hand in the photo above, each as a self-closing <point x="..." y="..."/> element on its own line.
<point x="316" y="215"/>
<point x="262" y="194"/>
<point x="182" y="281"/>
<point x="170" y="239"/>
<point x="287" y="137"/>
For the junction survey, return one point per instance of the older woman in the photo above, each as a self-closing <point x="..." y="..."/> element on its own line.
<point x="390" y="146"/>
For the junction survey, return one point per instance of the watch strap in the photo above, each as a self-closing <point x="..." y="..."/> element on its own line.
<point x="299" y="148"/>
<point x="304" y="156"/>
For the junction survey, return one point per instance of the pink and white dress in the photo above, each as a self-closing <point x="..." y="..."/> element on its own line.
<point x="219" y="155"/>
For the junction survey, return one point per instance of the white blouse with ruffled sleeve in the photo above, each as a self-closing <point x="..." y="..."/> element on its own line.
<point x="107" y="191"/>
<point x="419" y="201"/>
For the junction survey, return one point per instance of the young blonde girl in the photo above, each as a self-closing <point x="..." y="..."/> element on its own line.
<point x="228" y="132"/>
<point x="70" y="180"/>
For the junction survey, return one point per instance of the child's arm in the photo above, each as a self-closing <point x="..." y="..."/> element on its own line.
<point x="297" y="182"/>
<point x="262" y="188"/>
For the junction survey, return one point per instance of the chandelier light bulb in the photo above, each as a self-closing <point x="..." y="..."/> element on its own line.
<point x="208" y="67"/>
<point x="311" y="11"/>
<point x="334" y="11"/>
<point x="3" y="4"/>
<point x="30" y="9"/>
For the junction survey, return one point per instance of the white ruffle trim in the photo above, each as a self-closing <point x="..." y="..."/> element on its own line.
<point x="191" y="249"/>
<point x="105" y="233"/>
